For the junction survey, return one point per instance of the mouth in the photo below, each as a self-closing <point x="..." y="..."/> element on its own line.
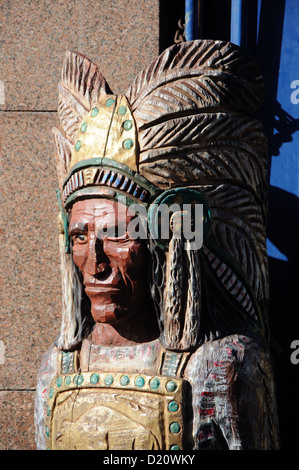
<point x="98" y="289"/>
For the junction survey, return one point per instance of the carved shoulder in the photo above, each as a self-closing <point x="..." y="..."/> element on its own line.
<point x="232" y="395"/>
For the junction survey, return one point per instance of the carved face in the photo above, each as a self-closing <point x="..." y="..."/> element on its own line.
<point x="111" y="262"/>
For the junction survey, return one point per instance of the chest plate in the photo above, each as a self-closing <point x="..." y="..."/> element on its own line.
<point x="115" y="411"/>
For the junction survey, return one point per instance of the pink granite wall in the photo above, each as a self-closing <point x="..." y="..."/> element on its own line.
<point x="122" y="37"/>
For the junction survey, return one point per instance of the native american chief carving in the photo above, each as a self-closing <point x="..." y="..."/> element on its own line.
<point x="163" y="344"/>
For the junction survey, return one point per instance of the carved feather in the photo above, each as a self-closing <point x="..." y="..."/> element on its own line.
<point x="205" y="147"/>
<point x="213" y="166"/>
<point x="62" y="154"/>
<point x="203" y="129"/>
<point x="238" y="227"/>
<point x="79" y="89"/>
<point x="174" y="83"/>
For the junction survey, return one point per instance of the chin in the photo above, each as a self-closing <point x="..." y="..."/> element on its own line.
<point x="109" y="313"/>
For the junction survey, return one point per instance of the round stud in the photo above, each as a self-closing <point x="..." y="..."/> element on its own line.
<point x="139" y="382"/>
<point x="68" y="380"/>
<point x="128" y="144"/>
<point x="78" y="379"/>
<point x="127" y="125"/>
<point x="174" y="428"/>
<point x="175" y="447"/>
<point x="108" y="379"/>
<point x="59" y="381"/>
<point x="173" y="406"/>
<point x="83" y="127"/>
<point x="124" y="380"/>
<point x="155" y="383"/>
<point x="110" y="102"/>
<point x="94" y="112"/>
<point x="94" y="378"/>
<point x="78" y="145"/>
<point x="122" y="110"/>
<point x="171" y="386"/>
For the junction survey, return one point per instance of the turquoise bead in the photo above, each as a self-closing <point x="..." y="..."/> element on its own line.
<point x="108" y="379"/>
<point x="59" y="381"/>
<point x="67" y="380"/>
<point x="124" y="380"/>
<point x="122" y="110"/>
<point x="110" y="102"/>
<point x="155" y="383"/>
<point x="173" y="406"/>
<point x="127" y="125"/>
<point x="139" y="382"/>
<point x="94" y="112"/>
<point x="171" y="386"/>
<point x="78" y="379"/>
<point x="83" y="127"/>
<point x="128" y="144"/>
<point x="174" y="428"/>
<point x="78" y="145"/>
<point x="94" y="378"/>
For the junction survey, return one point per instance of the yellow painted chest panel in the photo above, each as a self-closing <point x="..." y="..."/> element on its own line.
<point x="115" y="411"/>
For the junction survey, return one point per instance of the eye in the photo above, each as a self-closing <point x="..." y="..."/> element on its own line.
<point x="123" y="239"/>
<point x="80" y="238"/>
<point x="117" y="234"/>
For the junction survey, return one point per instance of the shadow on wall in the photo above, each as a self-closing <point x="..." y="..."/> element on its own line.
<point x="283" y="232"/>
<point x="282" y="229"/>
<point x="285" y="126"/>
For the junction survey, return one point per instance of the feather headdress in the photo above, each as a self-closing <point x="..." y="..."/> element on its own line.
<point x="183" y="123"/>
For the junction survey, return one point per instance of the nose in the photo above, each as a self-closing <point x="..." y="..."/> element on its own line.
<point x="97" y="262"/>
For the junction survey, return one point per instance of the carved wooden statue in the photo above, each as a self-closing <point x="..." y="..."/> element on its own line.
<point x="163" y="344"/>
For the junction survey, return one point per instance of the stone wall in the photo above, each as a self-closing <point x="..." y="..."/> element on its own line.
<point x="122" y="38"/>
